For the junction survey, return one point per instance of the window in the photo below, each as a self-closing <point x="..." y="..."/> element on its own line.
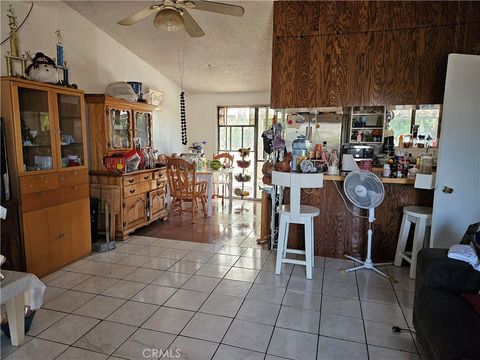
<point x="427" y="117"/>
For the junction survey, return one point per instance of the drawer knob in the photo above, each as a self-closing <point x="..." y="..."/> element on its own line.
<point x="131" y="181"/>
<point x="132" y="191"/>
<point x="146" y="177"/>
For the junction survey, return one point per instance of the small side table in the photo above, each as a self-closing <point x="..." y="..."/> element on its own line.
<point x="18" y="289"/>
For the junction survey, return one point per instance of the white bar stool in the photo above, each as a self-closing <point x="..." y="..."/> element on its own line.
<point x="296" y="214"/>
<point x="421" y="216"/>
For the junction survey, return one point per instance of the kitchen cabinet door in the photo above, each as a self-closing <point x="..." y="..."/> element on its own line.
<point x="42" y="238"/>
<point x="119" y="129"/>
<point x="157" y="203"/>
<point x="134" y="211"/>
<point x="75" y="217"/>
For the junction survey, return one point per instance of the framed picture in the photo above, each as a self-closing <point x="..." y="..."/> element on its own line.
<point x="154" y="97"/>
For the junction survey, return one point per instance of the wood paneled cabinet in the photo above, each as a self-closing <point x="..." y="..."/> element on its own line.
<point x="142" y="198"/>
<point x="46" y="142"/>
<point x="115" y="125"/>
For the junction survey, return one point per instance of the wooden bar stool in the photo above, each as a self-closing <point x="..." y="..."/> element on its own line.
<point x="421" y="216"/>
<point x="297" y="214"/>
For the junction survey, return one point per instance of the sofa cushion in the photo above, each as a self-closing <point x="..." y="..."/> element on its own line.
<point x="473" y="300"/>
<point x="447" y="324"/>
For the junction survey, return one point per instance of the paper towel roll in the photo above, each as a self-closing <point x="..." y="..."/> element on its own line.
<point x="348" y="163"/>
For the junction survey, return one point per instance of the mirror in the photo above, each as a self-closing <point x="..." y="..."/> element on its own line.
<point x="22" y="10"/>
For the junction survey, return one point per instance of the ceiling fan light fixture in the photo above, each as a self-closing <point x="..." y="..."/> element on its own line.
<point x="169" y="19"/>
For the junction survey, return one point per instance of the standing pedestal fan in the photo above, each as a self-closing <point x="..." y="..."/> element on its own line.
<point x="365" y="190"/>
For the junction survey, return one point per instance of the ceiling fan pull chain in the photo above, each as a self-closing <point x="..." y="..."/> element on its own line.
<point x="183" y="118"/>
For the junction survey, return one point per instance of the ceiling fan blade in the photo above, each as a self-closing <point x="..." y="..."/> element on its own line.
<point x="140" y="15"/>
<point x="193" y="29"/>
<point x="216" y="7"/>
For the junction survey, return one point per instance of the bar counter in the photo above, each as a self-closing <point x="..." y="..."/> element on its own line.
<point x="339" y="232"/>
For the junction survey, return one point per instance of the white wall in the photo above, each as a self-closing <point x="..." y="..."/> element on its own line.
<point x="202" y="114"/>
<point x="95" y="59"/>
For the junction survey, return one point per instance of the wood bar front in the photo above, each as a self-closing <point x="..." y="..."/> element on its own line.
<point x="339" y="232"/>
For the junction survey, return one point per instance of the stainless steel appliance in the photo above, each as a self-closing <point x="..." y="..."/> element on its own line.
<point x="359" y="152"/>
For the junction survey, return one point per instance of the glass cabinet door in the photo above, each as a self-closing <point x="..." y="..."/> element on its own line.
<point x="71" y="131"/>
<point x="35" y="122"/>
<point x="119" y="124"/>
<point x="142" y="128"/>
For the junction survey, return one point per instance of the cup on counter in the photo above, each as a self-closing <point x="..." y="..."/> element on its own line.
<point x="332" y="170"/>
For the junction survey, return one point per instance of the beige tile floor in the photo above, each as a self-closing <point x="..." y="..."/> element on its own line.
<point x="216" y="301"/>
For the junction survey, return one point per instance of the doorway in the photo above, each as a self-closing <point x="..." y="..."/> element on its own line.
<point x="242" y="127"/>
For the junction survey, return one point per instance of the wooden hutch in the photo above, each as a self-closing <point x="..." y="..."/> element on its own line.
<point x="113" y="125"/>
<point x="48" y="168"/>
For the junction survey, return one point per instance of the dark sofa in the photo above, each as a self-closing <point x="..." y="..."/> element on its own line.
<point x="445" y="324"/>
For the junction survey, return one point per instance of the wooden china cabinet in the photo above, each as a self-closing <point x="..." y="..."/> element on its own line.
<point x="114" y="124"/>
<point x="46" y="142"/>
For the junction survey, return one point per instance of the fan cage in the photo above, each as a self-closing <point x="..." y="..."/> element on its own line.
<point x="371" y="182"/>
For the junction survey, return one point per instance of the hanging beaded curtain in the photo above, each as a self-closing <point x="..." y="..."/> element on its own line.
<point x="183" y="117"/>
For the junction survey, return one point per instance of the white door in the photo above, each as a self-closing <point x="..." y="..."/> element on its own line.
<point x="459" y="153"/>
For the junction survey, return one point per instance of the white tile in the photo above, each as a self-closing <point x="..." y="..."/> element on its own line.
<point x="95" y="284"/>
<point x="134" y="260"/>
<point x="142" y="342"/>
<point x="302" y="300"/>
<point x="232" y="288"/>
<point x="128" y="248"/>
<point x="68" y="301"/>
<point x="379" y="334"/>
<point x="124" y="289"/>
<point x="143" y="275"/>
<point x="159" y="263"/>
<point x="226" y="352"/>
<point x="304" y="284"/>
<point x="132" y="313"/>
<point x="99" y="307"/>
<point x="250" y="263"/>
<point x="171" y="279"/>
<point x="154" y="294"/>
<point x="257" y="253"/>
<point x="196" y="256"/>
<point x="187" y="300"/>
<point x="201" y="283"/>
<point x="118" y="271"/>
<point x="110" y="257"/>
<point x="186" y="267"/>
<point x="73" y="353"/>
<point x="223" y="305"/>
<point x="389" y="314"/>
<point x="168" y="320"/>
<point x="241" y="274"/>
<point x="207" y="327"/>
<point x="300" y="271"/>
<point x="260" y="312"/>
<point x="6" y="345"/>
<point x="175" y="254"/>
<point x="92" y="268"/>
<point x="335" y="349"/>
<point x="372" y="279"/>
<point x="299" y="319"/>
<point x="373" y="294"/>
<point x="300" y="345"/>
<point x="68" y="280"/>
<point x="69" y="329"/>
<point x="341" y="306"/>
<point x="184" y="245"/>
<point x="345" y="290"/>
<point x="272" y="279"/>
<point x="222" y="259"/>
<point x="141" y="240"/>
<point x="248" y="335"/>
<point x="44" y="318"/>
<point x="332" y="274"/>
<point x="232" y="250"/>
<point x="342" y="327"/>
<point x="106" y="337"/>
<point x="37" y="349"/>
<point x="75" y="264"/>
<point x="378" y="353"/>
<point x="188" y="348"/>
<point x="213" y="270"/>
<point x="52" y="276"/>
<point x="52" y="293"/>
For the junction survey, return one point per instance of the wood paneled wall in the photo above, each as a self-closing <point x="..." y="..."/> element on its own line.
<point x="344" y="53"/>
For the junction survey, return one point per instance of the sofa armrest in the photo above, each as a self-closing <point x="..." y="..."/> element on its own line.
<point x="436" y="270"/>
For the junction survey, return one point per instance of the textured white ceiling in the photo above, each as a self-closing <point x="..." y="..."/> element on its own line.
<point x="233" y="56"/>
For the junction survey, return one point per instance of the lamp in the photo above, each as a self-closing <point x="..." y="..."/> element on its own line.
<point x="348" y="163"/>
<point x="169" y="19"/>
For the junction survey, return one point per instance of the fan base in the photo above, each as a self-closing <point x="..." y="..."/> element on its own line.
<point x="369" y="265"/>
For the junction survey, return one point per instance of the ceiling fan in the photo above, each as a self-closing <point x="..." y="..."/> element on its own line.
<point x="172" y="15"/>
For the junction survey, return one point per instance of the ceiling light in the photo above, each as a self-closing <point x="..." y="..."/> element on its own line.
<point x="169" y="19"/>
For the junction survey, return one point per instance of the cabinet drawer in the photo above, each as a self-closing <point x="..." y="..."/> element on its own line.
<point x="40" y="200"/>
<point x="145" y="177"/>
<point x="160" y="174"/>
<point x="74" y="192"/>
<point x="36" y="183"/>
<point x="130" y="180"/>
<point x="74" y="177"/>
<point x="136" y="189"/>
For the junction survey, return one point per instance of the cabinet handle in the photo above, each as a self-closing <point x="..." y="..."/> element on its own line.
<point x="132" y="191"/>
<point x="145" y="177"/>
<point x="131" y="180"/>
<point x="75" y="188"/>
<point x="139" y="199"/>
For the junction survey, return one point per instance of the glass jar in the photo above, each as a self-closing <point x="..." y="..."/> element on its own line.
<point x="300" y="148"/>
<point x="426" y="164"/>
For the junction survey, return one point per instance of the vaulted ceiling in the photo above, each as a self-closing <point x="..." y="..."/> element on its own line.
<point x="233" y="56"/>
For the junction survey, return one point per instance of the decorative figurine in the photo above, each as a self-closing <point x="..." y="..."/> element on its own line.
<point x="13" y="55"/>
<point x="59" y="47"/>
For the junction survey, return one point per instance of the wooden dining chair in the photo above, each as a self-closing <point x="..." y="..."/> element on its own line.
<point x="185" y="188"/>
<point x="221" y="181"/>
